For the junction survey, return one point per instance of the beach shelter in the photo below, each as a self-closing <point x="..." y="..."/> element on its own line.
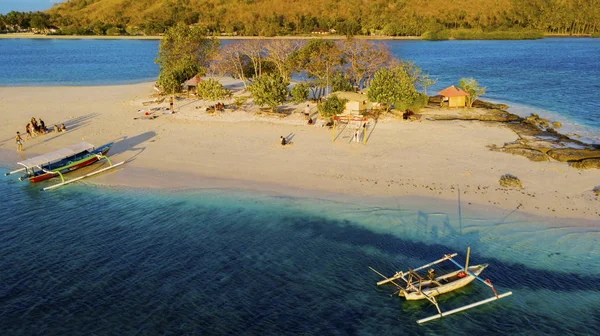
<point x="191" y="84"/>
<point x="356" y="103"/>
<point x="453" y="96"/>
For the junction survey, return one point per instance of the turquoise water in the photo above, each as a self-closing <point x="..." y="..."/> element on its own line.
<point x="127" y="262"/>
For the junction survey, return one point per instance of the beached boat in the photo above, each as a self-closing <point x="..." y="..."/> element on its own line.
<point x="63" y="161"/>
<point x="427" y="287"/>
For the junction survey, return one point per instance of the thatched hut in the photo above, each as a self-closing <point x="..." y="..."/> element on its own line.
<point x="453" y="97"/>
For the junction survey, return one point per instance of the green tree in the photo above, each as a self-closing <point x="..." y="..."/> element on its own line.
<point x="393" y="87"/>
<point x="269" y="89"/>
<point x="183" y="53"/>
<point x="339" y="82"/>
<point x="472" y="88"/>
<point x="299" y="93"/>
<point x="332" y="106"/>
<point x="319" y="59"/>
<point x="211" y="89"/>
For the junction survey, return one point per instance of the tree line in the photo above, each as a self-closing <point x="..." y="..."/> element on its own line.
<point x="266" y="67"/>
<point x="285" y="17"/>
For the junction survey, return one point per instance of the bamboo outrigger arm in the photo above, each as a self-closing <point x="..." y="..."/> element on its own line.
<point x="14" y="171"/>
<point x="454" y="311"/>
<point x="84" y="176"/>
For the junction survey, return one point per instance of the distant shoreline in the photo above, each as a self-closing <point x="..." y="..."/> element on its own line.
<point x="158" y="37"/>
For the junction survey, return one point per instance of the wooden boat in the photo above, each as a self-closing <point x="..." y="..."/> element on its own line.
<point x="63" y="161"/>
<point x="418" y="287"/>
<point x="443" y="284"/>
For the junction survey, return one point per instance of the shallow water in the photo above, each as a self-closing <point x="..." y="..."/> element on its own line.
<point x="109" y="261"/>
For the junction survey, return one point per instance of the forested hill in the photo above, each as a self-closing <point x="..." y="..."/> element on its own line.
<point x="355" y="17"/>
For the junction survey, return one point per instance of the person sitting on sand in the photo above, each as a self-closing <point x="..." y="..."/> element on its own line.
<point x="310" y="121"/>
<point x="55" y="128"/>
<point x="19" y="142"/>
<point x="63" y="128"/>
<point x="42" y="127"/>
<point x="283" y="141"/>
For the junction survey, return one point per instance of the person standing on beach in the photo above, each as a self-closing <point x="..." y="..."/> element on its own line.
<point x="28" y="130"/>
<point x="307" y="111"/>
<point x="19" y="142"/>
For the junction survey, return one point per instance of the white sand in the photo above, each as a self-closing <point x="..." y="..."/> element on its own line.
<point x="193" y="149"/>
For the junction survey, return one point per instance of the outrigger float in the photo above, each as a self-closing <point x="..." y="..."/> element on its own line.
<point x="417" y="287"/>
<point x="64" y="161"/>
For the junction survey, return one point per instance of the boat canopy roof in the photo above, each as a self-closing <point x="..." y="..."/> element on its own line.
<point x="56" y="155"/>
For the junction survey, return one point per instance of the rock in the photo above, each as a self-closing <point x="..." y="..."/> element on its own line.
<point x="531" y="154"/>
<point x="572" y="154"/>
<point x="543" y="123"/>
<point x="556" y="124"/>
<point x="597" y="190"/>
<point x="510" y="181"/>
<point x="586" y="164"/>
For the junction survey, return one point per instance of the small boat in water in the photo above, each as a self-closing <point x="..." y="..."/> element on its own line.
<point x="63" y="161"/>
<point x="427" y="287"/>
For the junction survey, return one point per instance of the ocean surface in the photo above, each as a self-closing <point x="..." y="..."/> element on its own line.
<point x="98" y="261"/>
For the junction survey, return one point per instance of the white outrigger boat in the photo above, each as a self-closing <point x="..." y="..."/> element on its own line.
<point x="417" y="287"/>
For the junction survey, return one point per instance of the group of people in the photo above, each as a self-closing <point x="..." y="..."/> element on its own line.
<point x="34" y="128"/>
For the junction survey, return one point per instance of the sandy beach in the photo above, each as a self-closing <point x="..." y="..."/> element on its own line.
<point x="239" y="149"/>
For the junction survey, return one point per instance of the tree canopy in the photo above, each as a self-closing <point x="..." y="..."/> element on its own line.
<point x="346" y="17"/>
<point x="183" y="53"/>
<point x="393" y="86"/>
<point x="269" y="89"/>
<point x="472" y="88"/>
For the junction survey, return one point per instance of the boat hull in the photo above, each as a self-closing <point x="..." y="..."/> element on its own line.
<point x="91" y="159"/>
<point x="448" y="283"/>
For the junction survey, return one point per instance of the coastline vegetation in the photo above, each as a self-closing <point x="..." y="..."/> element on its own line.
<point x="432" y="19"/>
<point x="266" y="66"/>
<point x="478" y="34"/>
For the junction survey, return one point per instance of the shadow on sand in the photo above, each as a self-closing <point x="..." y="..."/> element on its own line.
<point x="132" y="144"/>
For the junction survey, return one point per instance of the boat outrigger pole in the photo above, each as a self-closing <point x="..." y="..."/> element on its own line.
<point x="100" y="157"/>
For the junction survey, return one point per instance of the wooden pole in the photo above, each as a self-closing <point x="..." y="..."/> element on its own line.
<point x="364" y="131"/>
<point x="333" y="129"/>
<point x="467" y="262"/>
<point x="472" y="305"/>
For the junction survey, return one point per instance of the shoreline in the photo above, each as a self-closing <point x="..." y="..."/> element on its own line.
<point x="144" y="179"/>
<point x="239" y="148"/>
<point x="291" y="37"/>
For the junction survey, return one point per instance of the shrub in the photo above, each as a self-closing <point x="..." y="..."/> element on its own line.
<point x="211" y="89"/>
<point x="299" y="93"/>
<point x="437" y="35"/>
<point x="332" y="106"/>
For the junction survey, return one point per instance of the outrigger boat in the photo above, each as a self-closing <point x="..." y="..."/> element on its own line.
<point x="417" y="287"/>
<point x="64" y="161"/>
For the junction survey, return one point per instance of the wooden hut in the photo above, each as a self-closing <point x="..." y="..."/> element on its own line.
<point x="453" y="97"/>
<point x="191" y="84"/>
<point x="357" y="103"/>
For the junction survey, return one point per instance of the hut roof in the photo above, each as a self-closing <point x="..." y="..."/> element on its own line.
<point x="192" y="81"/>
<point x="351" y="96"/>
<point x="452" y="91"/>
